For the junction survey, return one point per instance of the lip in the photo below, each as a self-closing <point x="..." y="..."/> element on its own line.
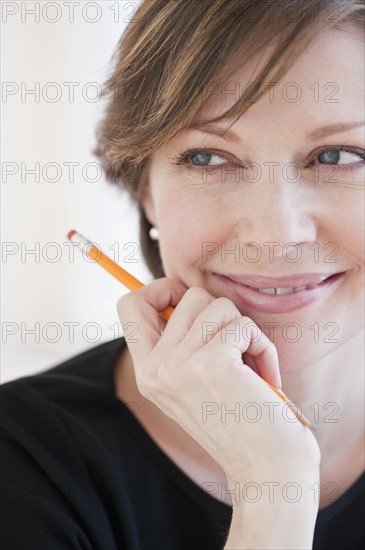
<point x="259" y="281"/>
<point x="243" y="289"/>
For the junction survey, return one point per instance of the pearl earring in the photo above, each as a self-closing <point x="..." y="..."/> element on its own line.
<point x="154" y="233"/>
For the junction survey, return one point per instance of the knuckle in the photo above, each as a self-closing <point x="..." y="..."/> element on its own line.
<point x="224" y="302"/>
<point x="160" y="282"/>
<point x="249" y="323"/>
<point x="122" y="300"/>
<point x="125" y="301"/>
<point x="119" y="304"/>
<point x="195" y="292"/>
<point x="246" y="319"/>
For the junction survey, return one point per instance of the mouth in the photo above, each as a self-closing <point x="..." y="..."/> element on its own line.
<point x="279" y="294"/>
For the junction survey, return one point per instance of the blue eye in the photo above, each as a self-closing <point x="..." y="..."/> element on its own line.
<point x="339" y="156"/>
<point x="204" y="158"/>
<point x="334" y="156"/>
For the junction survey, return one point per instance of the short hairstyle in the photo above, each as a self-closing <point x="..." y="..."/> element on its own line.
<point x="167" y="60"/>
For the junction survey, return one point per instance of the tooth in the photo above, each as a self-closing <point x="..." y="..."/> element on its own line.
<point x="284" y="290"/>
<point x="287" y="290"/>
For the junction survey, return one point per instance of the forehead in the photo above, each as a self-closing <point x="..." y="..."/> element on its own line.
<point x="326" y="80"/>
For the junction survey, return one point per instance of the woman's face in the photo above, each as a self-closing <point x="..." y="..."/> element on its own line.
<point x="275" y="186"/>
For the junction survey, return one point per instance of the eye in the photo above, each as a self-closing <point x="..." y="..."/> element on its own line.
<point x="346" y="158"/>
<point x="199" y="158"/>
<point x="339" y="156"/>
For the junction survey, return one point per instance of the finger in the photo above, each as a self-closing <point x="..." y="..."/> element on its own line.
<point x="246" y="336"/>
<point x="190" y="306"/>
<point x="266" y="359"/>
<point x="141" y="308"/>
<point x="249" y="361"/>
<point x="217" y="313"/>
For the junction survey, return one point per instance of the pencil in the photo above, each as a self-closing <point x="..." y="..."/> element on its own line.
<point x="114" y="269"/>
<point x="132" y="283"/>
<point x="292" y="407"/>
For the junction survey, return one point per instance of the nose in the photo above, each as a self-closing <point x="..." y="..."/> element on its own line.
<point x="282" y="214"/>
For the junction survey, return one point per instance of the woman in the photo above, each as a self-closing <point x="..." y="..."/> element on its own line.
<point x="237" y="127"/>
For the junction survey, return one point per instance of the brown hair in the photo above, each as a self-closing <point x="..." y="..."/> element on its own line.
<point x="169" y="55"/>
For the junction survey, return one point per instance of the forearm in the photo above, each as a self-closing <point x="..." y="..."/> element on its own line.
<point x="274" y="524"/>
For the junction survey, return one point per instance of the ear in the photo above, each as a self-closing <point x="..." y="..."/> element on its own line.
<point x="147" y="202"/>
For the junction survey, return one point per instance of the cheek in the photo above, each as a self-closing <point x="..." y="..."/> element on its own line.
<point x="358" y="234"/>
<point x="350" y="230"/>
<point x="187" y="220"/>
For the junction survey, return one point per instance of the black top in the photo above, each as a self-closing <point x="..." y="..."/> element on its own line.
<point x="80" y="472"/>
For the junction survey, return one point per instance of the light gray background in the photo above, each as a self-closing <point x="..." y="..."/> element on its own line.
<point x="57" y="293"/>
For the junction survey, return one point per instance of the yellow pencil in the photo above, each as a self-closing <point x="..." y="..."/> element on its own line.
<point x="132" y="283"/>
<point x="114" y="269"/>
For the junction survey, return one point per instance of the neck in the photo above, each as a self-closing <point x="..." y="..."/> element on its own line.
<point x="330" y="393"/>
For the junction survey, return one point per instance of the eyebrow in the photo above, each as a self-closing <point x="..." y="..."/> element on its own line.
<point x="330" y="129"/>
<point x="317" y="134"/>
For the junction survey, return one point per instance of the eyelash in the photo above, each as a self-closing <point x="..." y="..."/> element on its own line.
<point x="183" y="156"/>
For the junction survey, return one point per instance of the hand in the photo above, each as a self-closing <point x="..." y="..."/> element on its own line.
<point x="197" y="378"/>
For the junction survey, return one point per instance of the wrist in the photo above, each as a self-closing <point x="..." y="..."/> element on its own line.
<point x="275" y="511"/>
<point x="272" y="527"/>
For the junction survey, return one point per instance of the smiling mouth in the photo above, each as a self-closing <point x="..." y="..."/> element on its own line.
<point x="279" y="299"/>
<point x="289" y="290"/>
